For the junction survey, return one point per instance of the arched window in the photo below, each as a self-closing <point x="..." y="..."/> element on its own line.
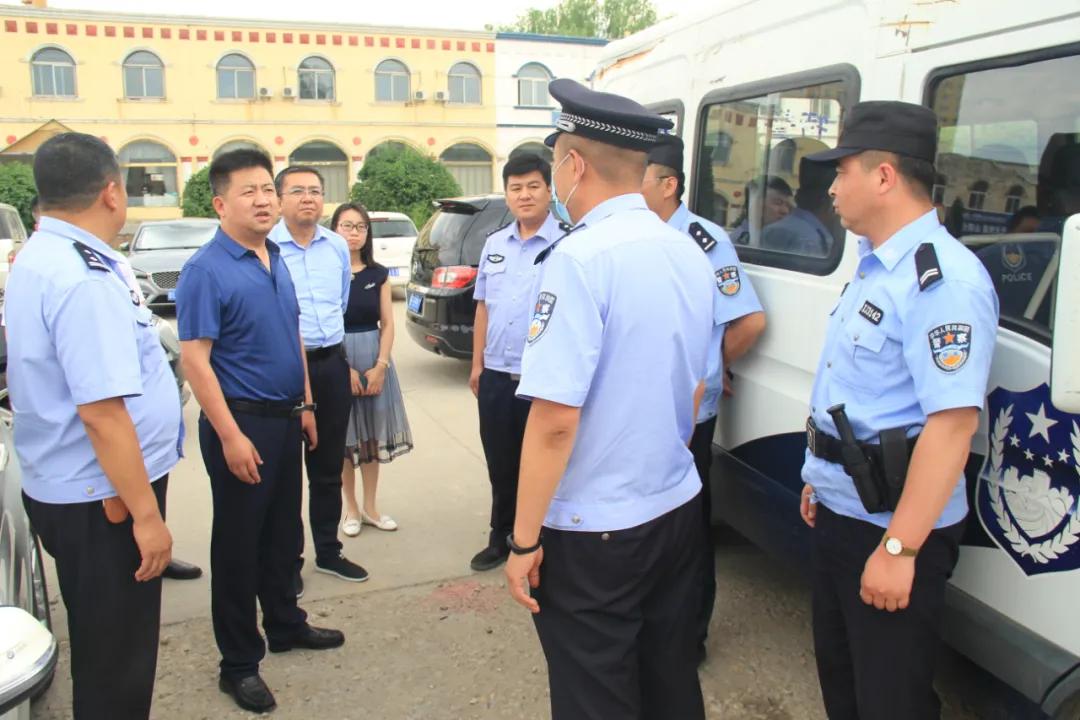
<point x="464" y="84"/>
<point x="470" y="165"/>
<point x="721" y="151"/>
<point x="1013" y="198"/>
<point x="533" y="148"/>
<point x="149" y="172"/>
<point x="239" y="145"/>
<point x="52" y="72"/>
<point x="387" y="146"/>
<point x="316" y="78"/>
<point x="235" y="78"/>
<point x="782" y="157"/>
<point x="144" y="75"/>
<point x="331" y="162"/>
<point x="533" y="81"/>
<point x="977" y="198"/>
<point x="392" y="81"/>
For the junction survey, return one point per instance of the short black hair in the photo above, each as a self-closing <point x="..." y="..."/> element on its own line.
<point x="1028" y="211"/>
<point x="679" y="175"/>
<point x="919" y="174"/>
<point x="224" y="165"/>
<point x="71" y="169"/>
<point x="279" y="181"/>
<point x="525" y="163"/>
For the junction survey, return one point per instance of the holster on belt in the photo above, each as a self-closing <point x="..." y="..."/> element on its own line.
<point x="895" y="457"/>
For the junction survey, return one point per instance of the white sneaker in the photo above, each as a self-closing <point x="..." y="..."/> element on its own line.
<point x="352" y="526"/>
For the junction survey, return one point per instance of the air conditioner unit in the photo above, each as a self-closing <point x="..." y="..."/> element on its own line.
<point x="440" y="96"/>
<point x="419" y="96"/>
<point x="265" y="92"/>
<point x="288" y="92"/>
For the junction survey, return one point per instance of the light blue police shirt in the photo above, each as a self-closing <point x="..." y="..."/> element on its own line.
<point x="322" y="273"/>
<point x="505" y="282"/>
<point x="77" y="334"/>
<point x="798" y="232"/>
<point x="734" y="298"/>
<point x="621" y="329"/>
<point x="894" y="354"/>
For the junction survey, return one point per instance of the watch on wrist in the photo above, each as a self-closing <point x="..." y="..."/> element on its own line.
<point x="517" y="549"/>
<point x="307" y="407"/>
<point x="895" y="547"/>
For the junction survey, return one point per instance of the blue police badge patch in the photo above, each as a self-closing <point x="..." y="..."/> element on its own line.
<point x="495" y="258"/>
<point x="1012" y="257"/>
<point x="727" y="280"/>
<point x="1026" y="495"/>
<point x="545" y="306"/>
<point x="950" y="344"/>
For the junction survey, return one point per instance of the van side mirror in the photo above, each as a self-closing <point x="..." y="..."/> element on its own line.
<point x="28" y="653"/>
<point x="1065" y="360"/>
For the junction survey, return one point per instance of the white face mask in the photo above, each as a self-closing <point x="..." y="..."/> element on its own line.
<point x="561" y="211"/>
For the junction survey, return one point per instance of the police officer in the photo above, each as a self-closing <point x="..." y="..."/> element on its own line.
<point x="241" y="349"/>
<point x="614" y="364"/>
<point x="504" y="303"/>
<point x="907" y="354"/>
<point x="738" y="321"/>
<point x="97" y="425"/>
<point x="318" y="261"/>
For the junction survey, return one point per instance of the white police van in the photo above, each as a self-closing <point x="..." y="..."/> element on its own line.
<point x="756" y="85"/>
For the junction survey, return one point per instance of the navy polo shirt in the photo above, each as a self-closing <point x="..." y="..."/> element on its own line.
<point x="225" y="294"/>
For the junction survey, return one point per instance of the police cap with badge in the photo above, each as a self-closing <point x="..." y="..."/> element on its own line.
<point x="610" y="119"/>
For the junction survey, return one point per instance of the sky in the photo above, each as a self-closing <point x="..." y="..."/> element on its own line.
<point x="459" y="15"/>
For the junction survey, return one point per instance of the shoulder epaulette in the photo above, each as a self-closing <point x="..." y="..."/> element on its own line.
<point x="927" y="267"/>
<point x="702" y="237"/>
<point x="90" y="257"/>
<point x="546" y="252"/>
<point x="501" y="227"/>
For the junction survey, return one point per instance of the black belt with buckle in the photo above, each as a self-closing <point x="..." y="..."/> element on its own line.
<point x="830" y="448"/>
<point x="267" y="408"/>
<point x="324" y="352"/>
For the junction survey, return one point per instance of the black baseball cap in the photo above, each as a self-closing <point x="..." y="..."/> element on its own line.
<point x="897" y="127"/>
<point x="667" y="151"/>
<point x="604" y="117"/>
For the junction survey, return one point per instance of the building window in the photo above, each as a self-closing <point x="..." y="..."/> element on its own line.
<point x="239" y="145"/>
<point x="316" y="79"/>
<point x="235" y="78"/>
<point x="937" y="195"/>
<point x="721" y="149"/>
<point x="144" y="75"/>
<point x="392" y="81"/>
<point x="533" y="82"/>
<point x="470" y="165"/>
<point x="1013" y="198"/>
<point x="53" y="73"/>
<point x="782" y="157"/>
<point x="977" y="198"/>
<point x="149" y="171"/>
<point x="331" y="162"/>
<point x="533" y="148"/>
<point x="464" y="84"/>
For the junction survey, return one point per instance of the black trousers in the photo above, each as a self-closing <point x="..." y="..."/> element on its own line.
<point x="253" y="544"/>
<point x="617" y="618"/>
<point x="502" y="429"/>
<point x="113" y="621"/>
<point x="701" y="447"/>
<point x="874" y="664"/>
<point x="331" y="390"/>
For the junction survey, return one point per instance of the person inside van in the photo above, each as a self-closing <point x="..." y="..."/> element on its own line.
<point x="768" y="200"/>
<point x="809" y="228"/>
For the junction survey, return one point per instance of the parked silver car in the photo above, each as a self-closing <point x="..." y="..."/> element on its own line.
<point x="159" y="250"/>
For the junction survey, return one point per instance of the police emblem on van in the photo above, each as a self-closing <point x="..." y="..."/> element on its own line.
<point x="950" y="344"/>
<point x="495" y="258"/>
<point x="545" y="306"/>
<point x="727" y="279"/>
<point x="1027" y="494"/>
<point x="1012" y="256"/>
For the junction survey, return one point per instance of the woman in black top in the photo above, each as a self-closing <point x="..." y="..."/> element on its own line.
<point x="378" y="427"/>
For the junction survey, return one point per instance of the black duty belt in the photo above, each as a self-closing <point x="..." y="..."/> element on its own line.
<point x="267" y="408"/>
<point x="324" y="352"/>
<point x="829" y="448"/>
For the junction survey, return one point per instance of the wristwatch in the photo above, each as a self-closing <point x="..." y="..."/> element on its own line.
<point x="895" y="547"/>
<point x="306" y="407"/>
<point x="517" y="549"/>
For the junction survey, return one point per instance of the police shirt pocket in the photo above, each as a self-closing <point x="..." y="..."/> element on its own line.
<point x="870" y="359"/>
<point x="143" y="316"/>
<point x="493" y="278"/>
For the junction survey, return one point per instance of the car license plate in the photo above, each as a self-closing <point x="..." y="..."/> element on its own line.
<point x="394" y="272"/>
<point x="172" y="296"/>
<point x="415" y="302"/>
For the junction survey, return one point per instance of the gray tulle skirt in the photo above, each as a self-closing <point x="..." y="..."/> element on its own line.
<point x="378" y="427"/>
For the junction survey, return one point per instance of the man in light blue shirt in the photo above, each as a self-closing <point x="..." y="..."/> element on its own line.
<point x="809" y="229"/>
<point x="900" y="384"/>
<point x="504" y="301"/>
<point x="97" y="425"/>
<point x="738" y="321"/>
<point x="318" y="261"/>
<point x="614" y="364"/>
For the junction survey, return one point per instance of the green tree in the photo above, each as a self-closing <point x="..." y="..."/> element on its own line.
<point x="198" y="198"/>
<point x="611" y="19"/>
<point x="400" y="179"/>
<point x="18" y="190"/>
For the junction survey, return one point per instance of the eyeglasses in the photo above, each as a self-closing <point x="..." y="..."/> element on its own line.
<point x="349" y="227"/>
<point x="299" y="192"/>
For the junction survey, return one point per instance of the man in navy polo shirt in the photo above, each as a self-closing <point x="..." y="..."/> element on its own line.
<point x="240" y="336"/>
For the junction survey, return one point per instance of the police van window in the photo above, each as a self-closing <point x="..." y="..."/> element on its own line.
<point x="1009" y="159"/>
<point x="750" y="176"/>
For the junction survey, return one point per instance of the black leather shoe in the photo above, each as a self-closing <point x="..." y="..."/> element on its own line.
<point x="488" y="558"/>
<point x="311" y="638"/>
<point x="249" y="692"/>
<point x="180" y="570"/>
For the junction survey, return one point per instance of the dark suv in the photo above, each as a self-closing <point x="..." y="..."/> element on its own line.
<point x="440" y="308"/>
